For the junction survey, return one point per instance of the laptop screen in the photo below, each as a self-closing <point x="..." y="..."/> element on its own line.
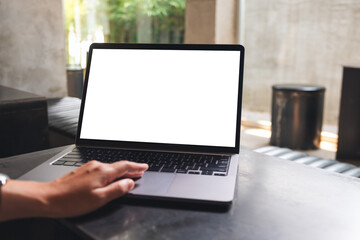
<point x="166" y="96"/>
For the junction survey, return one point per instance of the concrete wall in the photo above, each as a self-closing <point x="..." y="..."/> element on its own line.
<point x="299" y="42"/>
<point x="32" y="46"/>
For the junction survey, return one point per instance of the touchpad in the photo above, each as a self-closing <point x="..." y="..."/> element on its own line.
<point x="152" y="183"/>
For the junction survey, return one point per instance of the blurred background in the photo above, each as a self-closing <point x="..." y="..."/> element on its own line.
<point x="286" y="41"/>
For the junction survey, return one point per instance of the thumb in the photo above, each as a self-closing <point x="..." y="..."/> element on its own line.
<point x="117" y="189"/>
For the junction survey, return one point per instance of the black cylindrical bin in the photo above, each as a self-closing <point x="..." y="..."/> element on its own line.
<point x="297" y="112"/>
<point x="75" y="81"/>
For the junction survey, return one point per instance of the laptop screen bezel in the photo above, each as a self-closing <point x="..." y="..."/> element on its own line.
<point x="162" y="146"/>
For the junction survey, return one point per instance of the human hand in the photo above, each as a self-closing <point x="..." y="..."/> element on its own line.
<point x="76" y="193"/>
<point x="91" y="186"/>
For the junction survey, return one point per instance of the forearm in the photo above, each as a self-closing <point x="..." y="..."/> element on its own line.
<point x="76" y="193"/>
<point x="22" y="199"/>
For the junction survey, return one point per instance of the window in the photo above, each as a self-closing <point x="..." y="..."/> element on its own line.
<point x="124" y="21"/>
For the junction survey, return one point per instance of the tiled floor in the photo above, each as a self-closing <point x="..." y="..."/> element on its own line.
<point x="253" y="141"/>
<point x="256" y="132"/>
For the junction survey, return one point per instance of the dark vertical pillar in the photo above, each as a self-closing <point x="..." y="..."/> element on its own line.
<point x="349" y="121"/>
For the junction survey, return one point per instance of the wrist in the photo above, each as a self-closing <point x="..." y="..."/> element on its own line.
<point x="23" y="199"/>
<point x="3" y="179"/>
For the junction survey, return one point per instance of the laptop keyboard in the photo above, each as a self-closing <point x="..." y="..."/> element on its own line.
<point x="182" y="163"/>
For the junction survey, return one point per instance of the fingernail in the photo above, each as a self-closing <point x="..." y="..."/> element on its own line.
<point x="131" y="184"/>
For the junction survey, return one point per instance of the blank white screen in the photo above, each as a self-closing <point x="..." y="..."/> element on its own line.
<point x="162" y="96"/>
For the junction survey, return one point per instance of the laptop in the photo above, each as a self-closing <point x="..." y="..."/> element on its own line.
<point x="175" y="107"/>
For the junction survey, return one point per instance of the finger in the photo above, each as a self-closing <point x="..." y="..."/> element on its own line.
<point x="116" y="189"/>
<point x="133" y="174"/>
<point x="121" y="168"/>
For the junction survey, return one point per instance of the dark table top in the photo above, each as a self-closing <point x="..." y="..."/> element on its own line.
<point x="11" y="95"/>
<point x="274" y="199"/>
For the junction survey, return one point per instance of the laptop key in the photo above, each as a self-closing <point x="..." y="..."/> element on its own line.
<point x="193" y="168"/>
<point x="170" y="170"/>
<point x="78" y="164"/>
<point x="193" y="172"/>
<point x="68" y="163"/>
<point x="73" y="156"/>
<point x="219" y="174"/>
<point x="215" y="169"/>
<point x="154" y="168"/>
<point x="71" y="159"/>
<point x="58" y="162"/>
<point x="223" y="162"/>
<point x="217" y="165"/>
<point x="181" y="171"/>
<point x="207" y="173"/>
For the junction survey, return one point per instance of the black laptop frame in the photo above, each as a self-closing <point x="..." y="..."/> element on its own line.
<point x="161" y="146"/>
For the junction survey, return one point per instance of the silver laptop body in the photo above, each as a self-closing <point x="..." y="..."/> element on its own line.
<point x="162" y="98"/>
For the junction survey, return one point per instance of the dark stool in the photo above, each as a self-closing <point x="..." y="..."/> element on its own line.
<point x="63" y="114"/>
<point x="23" y="122"/>
<point x="297" y="112"/>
